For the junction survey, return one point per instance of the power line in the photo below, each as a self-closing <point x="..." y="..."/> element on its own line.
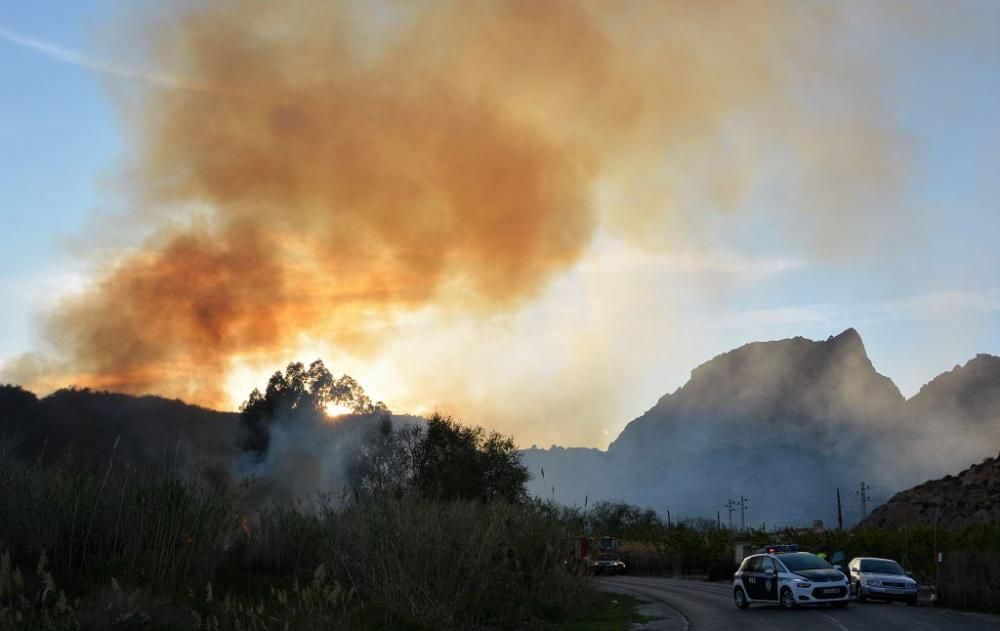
<point x="862" y="492"/>
<point x="792" y="509"/>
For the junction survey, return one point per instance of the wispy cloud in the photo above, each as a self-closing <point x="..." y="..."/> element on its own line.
<point x="101" y="66"/>
<point x="44" y="289"/>
<point x="934" y="305"/>
<point x="614" y="255"/>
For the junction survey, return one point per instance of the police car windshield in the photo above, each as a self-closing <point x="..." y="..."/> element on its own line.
<point x="876" y="566"/>
<point x="798" y="561"/>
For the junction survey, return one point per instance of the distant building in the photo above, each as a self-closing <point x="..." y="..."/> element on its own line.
<point x="741" y="550"/>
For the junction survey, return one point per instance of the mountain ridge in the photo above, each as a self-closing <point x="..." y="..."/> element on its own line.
<point x="816" y="407"/>
<point x="785" y="422"/>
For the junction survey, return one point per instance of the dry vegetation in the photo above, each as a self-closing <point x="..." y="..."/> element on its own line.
<point x="118" y="547"/>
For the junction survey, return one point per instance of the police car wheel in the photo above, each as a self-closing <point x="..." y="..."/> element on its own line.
<point x="740" y="599"/>
<point x="787" y="599"/>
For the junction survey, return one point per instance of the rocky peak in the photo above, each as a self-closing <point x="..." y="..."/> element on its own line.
<point x="850" y="339"/>
<point x="983" y="369"/>
<point x="971" y="392"/>
<point x="776" y="385"/>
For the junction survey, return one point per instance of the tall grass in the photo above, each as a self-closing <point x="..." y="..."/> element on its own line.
<point x="95" y="524"/>
<point x="99" y="546"/>
<point x="458" y="564"/>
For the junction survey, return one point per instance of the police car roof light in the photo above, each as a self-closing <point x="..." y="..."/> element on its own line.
<point x="777" y="549"/>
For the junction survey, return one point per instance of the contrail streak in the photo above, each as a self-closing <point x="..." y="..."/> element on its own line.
<point x="75" y="58"/>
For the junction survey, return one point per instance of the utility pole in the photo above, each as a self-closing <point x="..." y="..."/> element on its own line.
<point x="743" y="510"/>
<point x="937" y="555"/>
<point x="862" y="492"/>
<point x="840" y="515"/>
<point x="730" y="506"/>
<point x="669" y="523"/>
<point x="718" y="520"/>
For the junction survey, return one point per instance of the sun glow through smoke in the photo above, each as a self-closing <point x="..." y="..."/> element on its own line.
<point x="337" y="409"/>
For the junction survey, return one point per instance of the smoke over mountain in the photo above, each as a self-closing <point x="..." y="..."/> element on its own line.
<point x="322" y="168"/>
<point x="960" y="413"/>
<point x="785" y="423"/>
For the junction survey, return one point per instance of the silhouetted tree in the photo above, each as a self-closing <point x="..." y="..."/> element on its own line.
<point x="441" y="459"/>
<point x="459" y="462"/>
<point x="299" y="394"/>
<point x="385" y="462"/>
<point x="626" y="521"/>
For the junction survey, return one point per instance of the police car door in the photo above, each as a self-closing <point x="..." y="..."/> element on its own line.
<point x="768" y="580"/>
<point x="752" y="578"/>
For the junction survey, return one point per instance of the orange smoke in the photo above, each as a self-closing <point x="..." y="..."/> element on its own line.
<point x="360" y="160"/>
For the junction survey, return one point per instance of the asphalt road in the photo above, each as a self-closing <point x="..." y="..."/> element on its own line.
<point x="699" y="605"/>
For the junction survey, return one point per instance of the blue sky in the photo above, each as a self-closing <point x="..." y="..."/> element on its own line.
<point x="59" y="131"/>
<point x="923" y="303"/>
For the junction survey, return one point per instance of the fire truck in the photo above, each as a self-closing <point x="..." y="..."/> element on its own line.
<point x="597" y="554"/>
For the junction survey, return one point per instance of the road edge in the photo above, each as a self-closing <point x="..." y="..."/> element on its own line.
<point x="668" y="618"/>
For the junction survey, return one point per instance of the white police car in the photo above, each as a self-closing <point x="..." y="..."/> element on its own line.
<point x="881" y="579"/>
<point x="783" y="575"/>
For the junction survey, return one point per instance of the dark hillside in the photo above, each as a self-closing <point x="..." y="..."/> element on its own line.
<point x="147" y="428"/>
<point x="955" y="501"/>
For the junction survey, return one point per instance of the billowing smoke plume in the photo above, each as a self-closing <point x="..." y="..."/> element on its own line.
<point x="337" y="164"/>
